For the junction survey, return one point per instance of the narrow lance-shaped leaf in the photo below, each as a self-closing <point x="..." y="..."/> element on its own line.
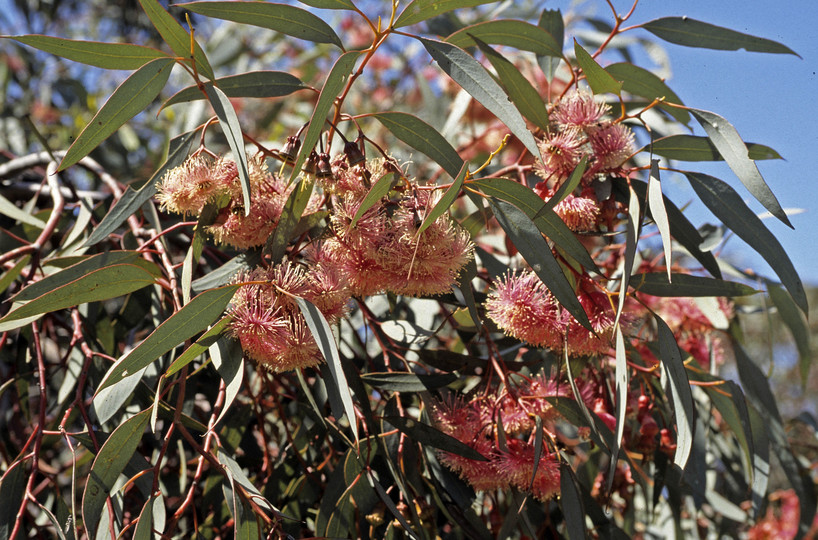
<point x="129" y="99"/>
<point x="732" y="148"/>
<point x="12" y="490"/>
<point x="631" y="239"/>
<point x="423" y="137"/>
<point x="761" y="459"/>
<point x="674" y="375"/>
<point x="290" y="20"/>
<point x="199" y="347"/>
<point x="598" y="79"/>
<point x="474" y="79"/>
<point x="377" y="192"/>
<point x="337" y="78"/>
<point x="420" y="10"/>
<point x="692" y="148"/>
<point x="108" y="465"/>
<point x="641" y="82"/>
<point x="658" y="284"/>
<point x="329" y="4"/>
<point x="621" y="388"/>
<point x="445" y="201"/>
<point x="94" y="53"/>
<point x="797" y="323"/>
<point x="692" y="33"/>
<point x="253" y="84"/>
<point x="276" y="244"/>
<point x="656" y="203"/>
<point x="568" y="187"/>
<point x="518" y="34"/>
<point x="525" y="96"/>
<point x="728" y="206"/>
<point x="536" y="252"/>
<point x="571" y="503"/>
<point x="551" y="21"/>
<point x="229" y="363"/>
<point x="326" y="344"/>
<point x="177" y="38"/>
<point x="235" y="138"/>
<point x="427" y="435"/>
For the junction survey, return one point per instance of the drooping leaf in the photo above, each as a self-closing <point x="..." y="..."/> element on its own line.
<point x="658" y="284"/>
<point x="656" y="203"/>
<point x="223" y="274"/>
<point x="229" y="122"/>
<point x="276" y="245"/>
<point x="445" y="201"/>
<point x="108" y="465"/>
<point x="521" y="92"/>
<point x="326" y="344"/>
<point x="129" y="99"/>
<point x="131" y="200"/>
<point x="518" y="34"/>
<point x="420" y="10"/>
<point x="103" y="284"/>
<point x="551" y="21"/>
<point x="571" y="503"/>
<point x="408" y="382"/>
<point x="546" y="220"/>
<point x="599" y="80"/>
<point x="692" y="148"/>
<point x="621" y="389"/>
<point x="13" y="273"/>
<point x="177" y="38"/>
<point x="337" y="78"/>
<point x="289" y="20"/>
<point x="329" y="4"/>
<point x="253" y="84"/>
<point x="9" y="209"/>
<point x="632" y="228"/>
<point x="693" y="33"/>
<point x="536" y="252"/>
<point x="199" y="347"/>
<point x="728" y="206"/>
<point x="94" y="53"/>
<point x="732" y="148"/>
<point x="150" y="513"/>
<point x="797" y="323"/>
<point x="423" y="137"/>
<point x="761" y="460"/>
<point x="641" y="82"/>
<point x="674" y="376"/>
<point x="12" y="491"/>
<point x="474" y="79"/>
<point x="427" y="435"/>
<point x="229" y="363"/>
<point x="568" y="187"/>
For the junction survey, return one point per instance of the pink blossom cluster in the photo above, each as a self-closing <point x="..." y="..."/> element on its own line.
<point x="200" y="180"/>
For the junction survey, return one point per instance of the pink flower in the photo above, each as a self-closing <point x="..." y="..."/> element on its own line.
<point x="185" y="189"/>
<point x="517" y="463"/>
<point x="578" y="213"/>
<point x="522" y="307"/>
<point x="561" y="152"/>
<point x="582" y="342"/>
<point x="578" y="109"/>
<point x="612" y="145"/>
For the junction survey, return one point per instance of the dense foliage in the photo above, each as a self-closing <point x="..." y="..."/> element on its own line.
<point x="404" y="270"/>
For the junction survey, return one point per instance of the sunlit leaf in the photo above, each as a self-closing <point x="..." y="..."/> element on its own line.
<point x="229" y="122"/>
<point x="291" y="214"/>
<point x="693" y="33"/>
<point x="656" y="203"/>
<point x="329" y="4"/>
<point x="445" y="201"/>
<point x="94" y="53"/>
<point x="658" y="284"/>
<point x="518" y="34"/>
<point x="229" y="363"/>
<point x="13" y="273"/>
<point x="798" y="325"/>
<point x="761" y="460"/>
<point x="641" y="82"/>
<point x="729" y="207"/>
<point x="621" y="389"/>
<point x="108" y="465"/>
<point x="428" y="435"/>
<point x="423" y="137"/>
<point x="693" y="148"/>
<point x="674" y="376"/>
<point x="199" y="347"/>
<point x="732" y="148"/>
<point x="474" y="79"/>
<point x="420" y="10"/>
<point x="631" y="239"/>
<point x="551" y="21"/>
<point x="536" y="252"/>
<point x="177" y="38"/>
<point x="282" y="18"/>
<point x="253" y="84"/>
<point x="129" y="99"/>
<point x="598" y="79"/>
<point x="377" y="192"/>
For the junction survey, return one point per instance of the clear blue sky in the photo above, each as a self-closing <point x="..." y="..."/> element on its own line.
<point x="771" y="99"/>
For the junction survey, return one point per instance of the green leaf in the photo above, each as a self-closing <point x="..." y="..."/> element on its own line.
<point x="518" y="34"/>
<point x="229" y="363"/>
<point x="571" y="503"/>
<point x="427" y="435"/>
<point x="290" y="20"/>
<point x="729" y="144"/>
<point x="276" y="244"/>
<point x="108" y="465"/>
<point x="182" y="325"/>
<point x="474" y="79"/>
<point x="129" y="99"/>
<point x="536" y="252"/>
<point x="253" y="84"/>
<point x="423" y="137"/>
<point x="223" y="274"/>
<point x="9" y="209"/>
<point x="13" y="273"/>
<point x="568" y="187"/>
<point x="728" y="206"/>
<point x="94" y="53"/>
<point x="681" y="285"/>
<point x="132" y="200"/>
<point x="237" y="476"/>
<point x="641" y="82"/>
<point x="445" y="201"/>
<point x="408" y="382"/>
<point x="693" y="148"/>
<point x="761" y="460"/>
<point x="12" y="491"/>
<point x="621" y="381"/>
<point x="103" y="284"/>
<point x="329" y="4"/>
<point x="693" y="33"/>
<point x="674" y="375"/>
<point x="598" y="79"/>
<point x="528" y="100"/>
<point x="229" y="122"/>
<point x="797" y="323"/>
<point x="551" y="21"/>
<point x="177" y="38"/>
<point x="420" y="10"/>
<point x="152" y="511"/>
<point x="337" y="78"/>
<point x="377" y="192"/>
<point x="199" y="347"/>
<point x="326" y="343"/>
<point x="631" y="239"/>
<point x="546" y="220"/>
<point x="656" y="203"/>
